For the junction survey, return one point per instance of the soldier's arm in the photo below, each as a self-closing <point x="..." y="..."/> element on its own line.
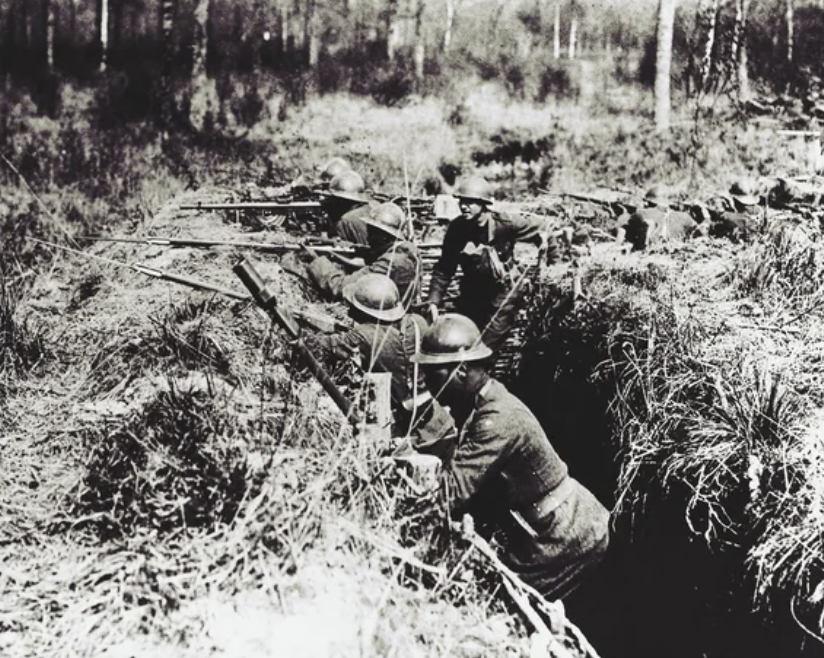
<point x="534" y="230"/>
<point x="453" y="243"/>
<point x="328" y="277"/>
<point x="474" y="461"/>
<point x="338" y="346"/>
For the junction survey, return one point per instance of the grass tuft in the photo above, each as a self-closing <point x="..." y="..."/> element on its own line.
<point x="175" y="463"/>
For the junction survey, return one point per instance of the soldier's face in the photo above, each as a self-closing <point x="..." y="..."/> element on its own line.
<point x="470" y="209"/>
<point x="443" y="381"/>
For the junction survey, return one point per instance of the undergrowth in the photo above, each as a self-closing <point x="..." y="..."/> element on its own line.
<point x="23" y="343"/>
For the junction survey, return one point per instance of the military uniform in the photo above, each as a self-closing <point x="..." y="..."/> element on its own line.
<point x="388" y="348"/>
<point x="736" y="226"/>
<point x="506" y="473"/>
<point x="401" y="262"/>
<point x="490" y="290"/>
<point x="351" y="227"/>
<point x="648" y="226"/>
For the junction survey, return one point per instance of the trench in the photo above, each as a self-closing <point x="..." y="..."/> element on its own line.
<point x="662" y="591"/>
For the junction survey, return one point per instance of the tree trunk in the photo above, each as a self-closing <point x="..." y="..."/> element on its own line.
<point x="200" y="42"/>
<point x="103" y="31"/>
<point x="742" y="8"/>
<point x="48" y="11"/>
<point x="420" y="46"/>
<point x="312" y="37"/>
<point x="167" y="22"/>
<point x="450" y="20"/>
<point x="790" y="31"/>
<point x="573" y="34"/>
<point x="663" y="63"/>
<point x="166" y="105"/>
<point x="556" y="32"/>
<point x="711" y="20"/>
<point x="284" y="25"/>
<point x="392" y="29"/>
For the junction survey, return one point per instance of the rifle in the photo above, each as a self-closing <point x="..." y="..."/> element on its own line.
<point x="266" y="300"/>
<point x="299" y="206"/>
<point x="321" y="246"/>
<point x="322" y="323"/>
<point x="618" y="208"/>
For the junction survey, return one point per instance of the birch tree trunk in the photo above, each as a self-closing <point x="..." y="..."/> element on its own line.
<point x="742" y="8"/>
<point x="450" y="20"/>
<point x="49" y="10"/>
<point x="663" y="63"/>
<point x="573" y="35"/>
<point x="312" y="37"/>
<point x="790" y="29"/>
<point x="419" y="55"/>
<point x="556" y="31"/>
<point x="710" y="15"/>
<point x="103" y="31"/>
<point x="392" y="29"/>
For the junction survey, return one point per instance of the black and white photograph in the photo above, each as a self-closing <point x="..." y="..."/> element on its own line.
<point x="411" y="329"/>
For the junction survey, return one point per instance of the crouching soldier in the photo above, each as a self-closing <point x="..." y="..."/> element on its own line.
<point x="390" y="253"/>
<point x="384" y="339"/>
<point x="504" y="471"/>
<point x="482" y="242"/>
<point x="346" y="205"/>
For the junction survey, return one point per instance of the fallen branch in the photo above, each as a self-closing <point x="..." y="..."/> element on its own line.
<point x="520" y="592"/>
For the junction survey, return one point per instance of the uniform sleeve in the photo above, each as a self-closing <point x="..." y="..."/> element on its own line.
<point x="328" y="277"/>
<point x="477" y="458"/>
<point x="525" y="229"/>
<point x="453" y="243"/>
<point x="336" y="346"/>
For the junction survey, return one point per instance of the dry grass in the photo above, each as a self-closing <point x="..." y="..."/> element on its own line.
<point x="177" y="474"/>
<point x="713" y="406"/>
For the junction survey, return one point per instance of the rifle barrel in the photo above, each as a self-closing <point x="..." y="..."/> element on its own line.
<point x="254" y="205"/>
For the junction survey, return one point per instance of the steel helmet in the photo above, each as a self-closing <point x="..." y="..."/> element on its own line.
<point x="452" y="338"/>
<point x="746" y="191"/>
<point x="475" y="189"/>
<point x="348" y="185"/>
<point x="656" y="195"/>
<point x="334" y="167"/>
<point x="388" y="217"/>
<point x="376" y="295"/>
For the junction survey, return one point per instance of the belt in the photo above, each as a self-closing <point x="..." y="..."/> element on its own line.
<point x="535" y="512"/>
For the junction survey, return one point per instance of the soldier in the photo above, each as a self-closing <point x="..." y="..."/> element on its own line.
<point x="744" y="219"/>
<point x="333" y="168"/>
<point x="390" y="253"/>
<point x="503" y="469"/>
<point x="482" y="242"/>
<point x="657" y="222"/>
<point x="383" y="339"/>
<point x="345" y="207"/>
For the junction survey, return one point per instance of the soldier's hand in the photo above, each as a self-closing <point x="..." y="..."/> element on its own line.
<point x="433" y="312"/>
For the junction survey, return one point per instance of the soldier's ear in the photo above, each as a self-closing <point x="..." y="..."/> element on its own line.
<point x="460" y="373"/>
